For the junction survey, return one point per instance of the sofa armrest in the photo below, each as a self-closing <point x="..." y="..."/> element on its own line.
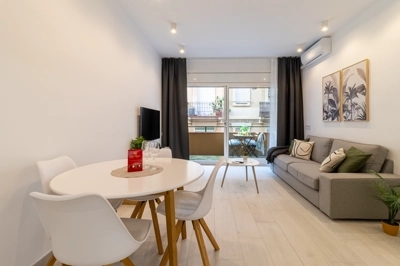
<point x="349" y="196"/>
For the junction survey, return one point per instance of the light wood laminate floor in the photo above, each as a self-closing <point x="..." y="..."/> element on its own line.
<point x="276" y="227"/>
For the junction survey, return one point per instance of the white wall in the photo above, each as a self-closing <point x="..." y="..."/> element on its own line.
<point x="375" y="35"/>
<point x="72" y="77"/>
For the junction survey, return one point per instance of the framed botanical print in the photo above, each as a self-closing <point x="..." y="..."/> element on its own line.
<point x="355" y="92"/>
<point x="331" y="97"/>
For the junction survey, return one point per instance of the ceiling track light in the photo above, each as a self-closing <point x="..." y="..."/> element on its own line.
<point x="299" y="49"/>
<point x="173" y="28"/>
<point x="324" y="25"/>
<point x="182" y="49"/>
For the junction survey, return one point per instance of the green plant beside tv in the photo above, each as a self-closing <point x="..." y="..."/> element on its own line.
<point x="390" y="196"/>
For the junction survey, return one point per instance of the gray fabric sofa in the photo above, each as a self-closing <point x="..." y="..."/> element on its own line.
<point x="338" y="195"/>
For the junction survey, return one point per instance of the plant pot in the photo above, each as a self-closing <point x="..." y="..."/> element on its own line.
<point x="245" y="159"/>
<point x="390" y="229"/>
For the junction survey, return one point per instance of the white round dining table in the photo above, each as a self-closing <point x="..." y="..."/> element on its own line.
<point x="97" y="178"/>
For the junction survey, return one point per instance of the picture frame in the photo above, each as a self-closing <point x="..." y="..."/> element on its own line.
<point x="355" y="92"/>
<point x="331" y="100"/>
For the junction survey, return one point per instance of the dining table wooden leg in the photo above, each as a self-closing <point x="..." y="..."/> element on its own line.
<point x="171" y="230"/>
<point x="178" y="228"/>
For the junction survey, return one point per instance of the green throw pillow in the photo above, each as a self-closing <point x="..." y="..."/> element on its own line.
<point x="292" y="143"/>
<point x="355" y="159"/>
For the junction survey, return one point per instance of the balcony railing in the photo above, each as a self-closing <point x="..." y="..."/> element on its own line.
<point x="207" y="140"/>
<point x="200" y="109"/>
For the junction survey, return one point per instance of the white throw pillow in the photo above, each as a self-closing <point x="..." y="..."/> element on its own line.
<point x="302" y="149"/>
<point x="333" y="161"/>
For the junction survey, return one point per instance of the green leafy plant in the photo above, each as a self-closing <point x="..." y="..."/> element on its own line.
<point x="244" y="130"/>
<point x="245" y="153"/>
<point x="389" y="195"/>
<point x="137" y="143"/>
<point x="218" y="104"/>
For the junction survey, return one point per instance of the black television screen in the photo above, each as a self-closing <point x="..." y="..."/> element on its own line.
<point x="149" y="123"/>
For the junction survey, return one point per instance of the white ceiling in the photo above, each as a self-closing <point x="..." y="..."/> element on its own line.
<point x="239" y="28"/>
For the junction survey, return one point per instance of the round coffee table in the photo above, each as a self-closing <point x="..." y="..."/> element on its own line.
<point x="239" y="162"/>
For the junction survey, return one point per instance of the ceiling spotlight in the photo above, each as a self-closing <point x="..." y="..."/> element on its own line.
<point x="324" y="25"/>
<point x="173" y="28"/>
<point x="182" y="49"/>
<point x="299" y="49"/>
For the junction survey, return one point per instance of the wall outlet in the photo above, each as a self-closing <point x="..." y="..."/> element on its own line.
<point x="308" y="127"/>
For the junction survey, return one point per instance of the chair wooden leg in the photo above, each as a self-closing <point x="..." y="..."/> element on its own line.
<point x="156" y="226"/>
<point x="52" y="260"/>
<point x="184" y="230"/>
<point x="140" y="214"/>
<point x="200" y="242"/>
<point x="178" y="229"/>
<point x="158" y="201"/>
<point x="137" y="209"/>
<point x="184" y="223"/>
<point x="127" y="262"/>
<point x="208" y="233"/>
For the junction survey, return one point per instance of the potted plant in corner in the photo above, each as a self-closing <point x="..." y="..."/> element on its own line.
<point x="135" y="155"/>
<point x="390" y="196"/>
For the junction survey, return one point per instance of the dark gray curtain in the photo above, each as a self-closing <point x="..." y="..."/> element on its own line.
<point x="174" y="125"/>
<point x="290" y="101"/>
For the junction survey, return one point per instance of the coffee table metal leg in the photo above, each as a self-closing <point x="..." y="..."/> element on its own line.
<point x="247" y="177"/>
<point x="255" y="178"/>
<point x="223" y="179"/>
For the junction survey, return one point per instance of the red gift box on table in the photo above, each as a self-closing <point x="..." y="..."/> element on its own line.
<point x="135" y="160"/>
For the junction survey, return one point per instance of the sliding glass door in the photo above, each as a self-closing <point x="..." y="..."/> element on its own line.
<point x="229" y="121"/>
<point x="206" y="123"/>
<point x="248" y="121"/>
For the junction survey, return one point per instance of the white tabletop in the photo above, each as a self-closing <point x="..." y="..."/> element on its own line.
<point x="239" y="162"/>
<point x="97" y="178"/>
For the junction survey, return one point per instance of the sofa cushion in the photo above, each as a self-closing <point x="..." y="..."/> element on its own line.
<point x="292" y="143"/>
<point x="355" y="159"/>
<point x="307" y="173"/>
<point x="302" y="149"/>
<point x="332" y="161"/>
<point x="283" y="160"/>
<point x="378" y="153"/>
<point x="321" y="149"/>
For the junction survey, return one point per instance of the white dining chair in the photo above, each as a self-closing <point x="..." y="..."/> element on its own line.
<point x="151" y="199"/>
<point x="49" y="169"/>
<point x="193" y="206"/>
<point x="85" y="230"/>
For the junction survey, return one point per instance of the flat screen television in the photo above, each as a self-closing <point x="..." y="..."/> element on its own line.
<point x="149" y="123"/>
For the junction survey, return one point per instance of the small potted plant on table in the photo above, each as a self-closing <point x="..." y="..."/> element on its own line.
<point x="245" y="156"/>
<point x="390" y="196"/>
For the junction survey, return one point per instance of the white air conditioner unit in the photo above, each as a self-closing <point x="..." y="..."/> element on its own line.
<point x="317" y="51"/>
